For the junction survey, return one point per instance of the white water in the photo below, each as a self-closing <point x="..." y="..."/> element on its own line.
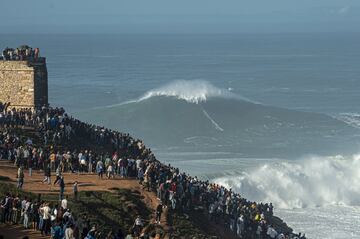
<point x="195" y="91"/>
<point x="316" y="195"/>
<point x="309" y="182"/>
<point x="330" y="222"/>
<point x="192" y="91"/>
<point x="309" y="68"/>
<point x="352" y="119"/>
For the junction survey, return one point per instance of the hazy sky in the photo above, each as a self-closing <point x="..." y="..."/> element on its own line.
<point x="180" y="16"/>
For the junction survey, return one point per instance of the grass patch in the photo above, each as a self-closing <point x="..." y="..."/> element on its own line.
<point x="111" y="210"/>
<point x="11" y="188"/>
<point x="108" y="210"/>
<point x="184" y="228"/>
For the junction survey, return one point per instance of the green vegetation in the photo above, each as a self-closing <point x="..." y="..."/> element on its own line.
<point x="108" y="210"/>
<point x="6" y="187"/>
<point x="111" y="210"/>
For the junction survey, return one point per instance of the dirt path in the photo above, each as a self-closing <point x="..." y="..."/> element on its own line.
<point x="86" y="182"/>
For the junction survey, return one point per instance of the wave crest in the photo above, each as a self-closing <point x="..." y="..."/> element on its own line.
<point x="352" y="119"/>
<point x="311" y="182"/>
<point x="195" y="91"/>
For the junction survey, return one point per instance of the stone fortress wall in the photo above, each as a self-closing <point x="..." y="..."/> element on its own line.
<point x="24" y="83"/>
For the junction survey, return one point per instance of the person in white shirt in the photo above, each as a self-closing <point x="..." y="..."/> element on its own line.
<point x="138" y="225"/>
<point x="240" y="224"/>
<point x="64" y="203"/>
<point x="27" y="214"/>
<point x="45" y="212"/>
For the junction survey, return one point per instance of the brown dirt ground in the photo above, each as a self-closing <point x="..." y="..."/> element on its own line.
<point x="86" y="182"/>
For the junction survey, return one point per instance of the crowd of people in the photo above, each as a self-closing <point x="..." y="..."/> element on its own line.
<point x="183" y="193"/>
<point x="20" y="53"/>
<point x="57" y="220"/>
<point x="119" y="155"/>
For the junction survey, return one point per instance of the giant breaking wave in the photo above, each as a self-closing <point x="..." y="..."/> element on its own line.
<point x="195" y="91"/>
<point x="197" y="116"/>
<point x="310" y="182"/>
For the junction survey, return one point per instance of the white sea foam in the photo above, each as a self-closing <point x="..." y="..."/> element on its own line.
<point x="352" y="119"/>
<point x="194" y="91"/>
<point x="310" y="182"/>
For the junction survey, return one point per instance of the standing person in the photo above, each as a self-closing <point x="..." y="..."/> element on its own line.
<point x="58" y="174"/>
<point x="4" y="54"/>
<point x="23" y="206"/>
<point x="67" y="158"/>
<point x="100" y="169"/>
<point x="240" y="224"/>
<point x="159" y="210"/>
<point x="139" y="166"/>
<point x="90" y="165"/>
<point x="27" y="213"/>
<point x="64" y="203"/>
<point x="123" y="167"/>
<point x="52" y="160"/>
<point x="20" y="177"/>
<point x="30" y="165"/>
<point x="75" y="190"/>
<point x="36" y="53"/>
<point x="16" y="207"/>
<point x="5" y="206"/>
<point x="62" y="188"/>
<point x="11" y="199"/>
<point x="138" y="226"/>
<point x="82" y="161"/>
<point x="110" y="171"/>
<point x="45" y="212"/>
<point x="69" y="232"/>
<point x="47" y="174"/>
<point x="146" y="182"/>
<point x="35" y="214"/>
<point x="26" y="155"/>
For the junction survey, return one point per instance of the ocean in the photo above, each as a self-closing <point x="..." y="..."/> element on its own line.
<point x="276" y="117"/>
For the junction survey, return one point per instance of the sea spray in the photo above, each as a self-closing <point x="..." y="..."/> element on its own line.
<point x="309" y="182"/>
<point x="194" y="91"/>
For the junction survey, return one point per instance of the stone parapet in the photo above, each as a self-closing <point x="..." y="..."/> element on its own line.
<point x="23" y="83"/>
